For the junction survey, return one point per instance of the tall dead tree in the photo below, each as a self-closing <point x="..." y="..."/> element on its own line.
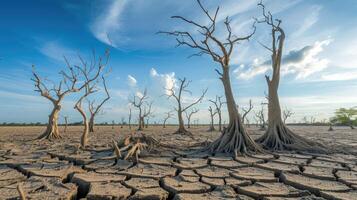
<point x="167" y="117"/>
<point x="189" y="115"/>
<point x="95" y="109"/>
<point x="212" y="113"/>
<point x="286" y="114"/>
<point x="177" y="95"/>
<point x="218" y="103"/>
<point x="278" y="136"/>
<point x="234" y="138"/>
<point x="141" y="103"/>
<point x="70" y="83"/>
<point x="246" y="112"/>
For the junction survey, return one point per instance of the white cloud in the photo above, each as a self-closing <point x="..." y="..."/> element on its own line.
<point x="256" y="69"/>
<point x="108" y="22"/>
<point x="131" y="81"/>
<point x="343" y="76"/>
<point x="57" y="51"/>
<point x="166" y="81"/>
<point x="303" y="63"/>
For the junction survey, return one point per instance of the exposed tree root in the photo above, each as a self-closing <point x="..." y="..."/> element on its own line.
<point x="184" y="132"/>
<point x="134" y="145"/>
<point x="279" y="138"/>
<point x="50" y="135"/>
<point x="21" y="192"/>
<point x="234" y="139"/>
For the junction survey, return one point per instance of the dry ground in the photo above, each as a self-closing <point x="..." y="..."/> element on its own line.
<point x="60" y="170"/>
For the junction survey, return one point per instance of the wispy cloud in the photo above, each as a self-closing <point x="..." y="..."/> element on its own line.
<point x="106" y="24"/>
<point x="303" y="62"/>
<point x="55" y="50"/>
<point x="309" y="21"/>
<point x="131" y="81"/>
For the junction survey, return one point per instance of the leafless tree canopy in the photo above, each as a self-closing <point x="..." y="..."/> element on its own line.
<point x="95" y="109"/>
<point x="189" y="115"/>
<point x="177" y="95"/>
<point x="246" y="111"/>
<point x="74" y="79"/>
<point x="235" y="138"/>
<point x="144" y="107"/>
<point x="218" y="104"/>
<point x="278" y="136"/>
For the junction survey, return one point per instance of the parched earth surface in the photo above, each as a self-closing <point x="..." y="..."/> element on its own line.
<point x="61" y="170"/>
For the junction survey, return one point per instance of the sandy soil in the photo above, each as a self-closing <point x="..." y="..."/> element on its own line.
<point x="61" y="170"/>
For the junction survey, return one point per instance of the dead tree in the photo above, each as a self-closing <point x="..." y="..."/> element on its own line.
<point x="278" y="136"/>
<point x="168" y="116"/>
<point x="189" y="116"/>
<point x="261" y="118"/>
<point x="129" y="118"/>
<point x="286" y="114"/>
<point x="177" y="95"/>
<point x="94" y="110"/>
<point x="70" y="83"/>
<point x="212" y="114"/>
<point x="246" y="112"/>
<point x="88" y="90"/>
<point x="113" y="124"/>
<point x="218" y="103"/>
<point x="65" y="123"/>
<point x="234" y="138"/>
<point x="141" y="103"/>
<point x="122" y="122"/>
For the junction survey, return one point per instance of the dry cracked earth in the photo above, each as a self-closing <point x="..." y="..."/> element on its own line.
<point x="60" y="170"/>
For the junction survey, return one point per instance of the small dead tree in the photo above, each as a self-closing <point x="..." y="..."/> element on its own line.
<point x="70" y="83"/>
<point x="167" y="117"/>
<point x="278" y="136"/>
<point x="177" y="95"/>
<point x="212" y="113"/>
<point x="189" y="115"/>
<point x="218" y="103"/>
<point x="261" y="118"/>
<point x="122" y="122"/>
<point x="113" y="124"/>
<point x="141" y="103"/>
<point x="234" y="138"/>
<point x="95" y="109"/>
<point x="129" y="118"/>
<point x="65" y="123"/>
<point x="286" y="114"/>
<point x="246" y="112"/>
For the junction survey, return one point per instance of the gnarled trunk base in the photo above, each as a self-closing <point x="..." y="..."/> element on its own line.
<point x="234" y="139"/>
<point x="183" y="131"/>
<point x="278" y="138"/>
<point x="50" y="133"/>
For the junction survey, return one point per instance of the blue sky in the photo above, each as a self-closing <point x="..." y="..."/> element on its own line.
<point x="319" y="65"/>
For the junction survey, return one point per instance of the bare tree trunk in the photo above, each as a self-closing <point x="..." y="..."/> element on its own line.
<point x="91" y="124"/>
<point x="234" y="138"/>
<point x="66" y="123"/>
<point x="181" y="128"/>
<point x="52" y="131"/>
<point x="84" y="137"/>
<point x="129" y="120"/>
<point x="141" y="124"/>
<point x="278" y="136"/>
<point x="164" y="125"/>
